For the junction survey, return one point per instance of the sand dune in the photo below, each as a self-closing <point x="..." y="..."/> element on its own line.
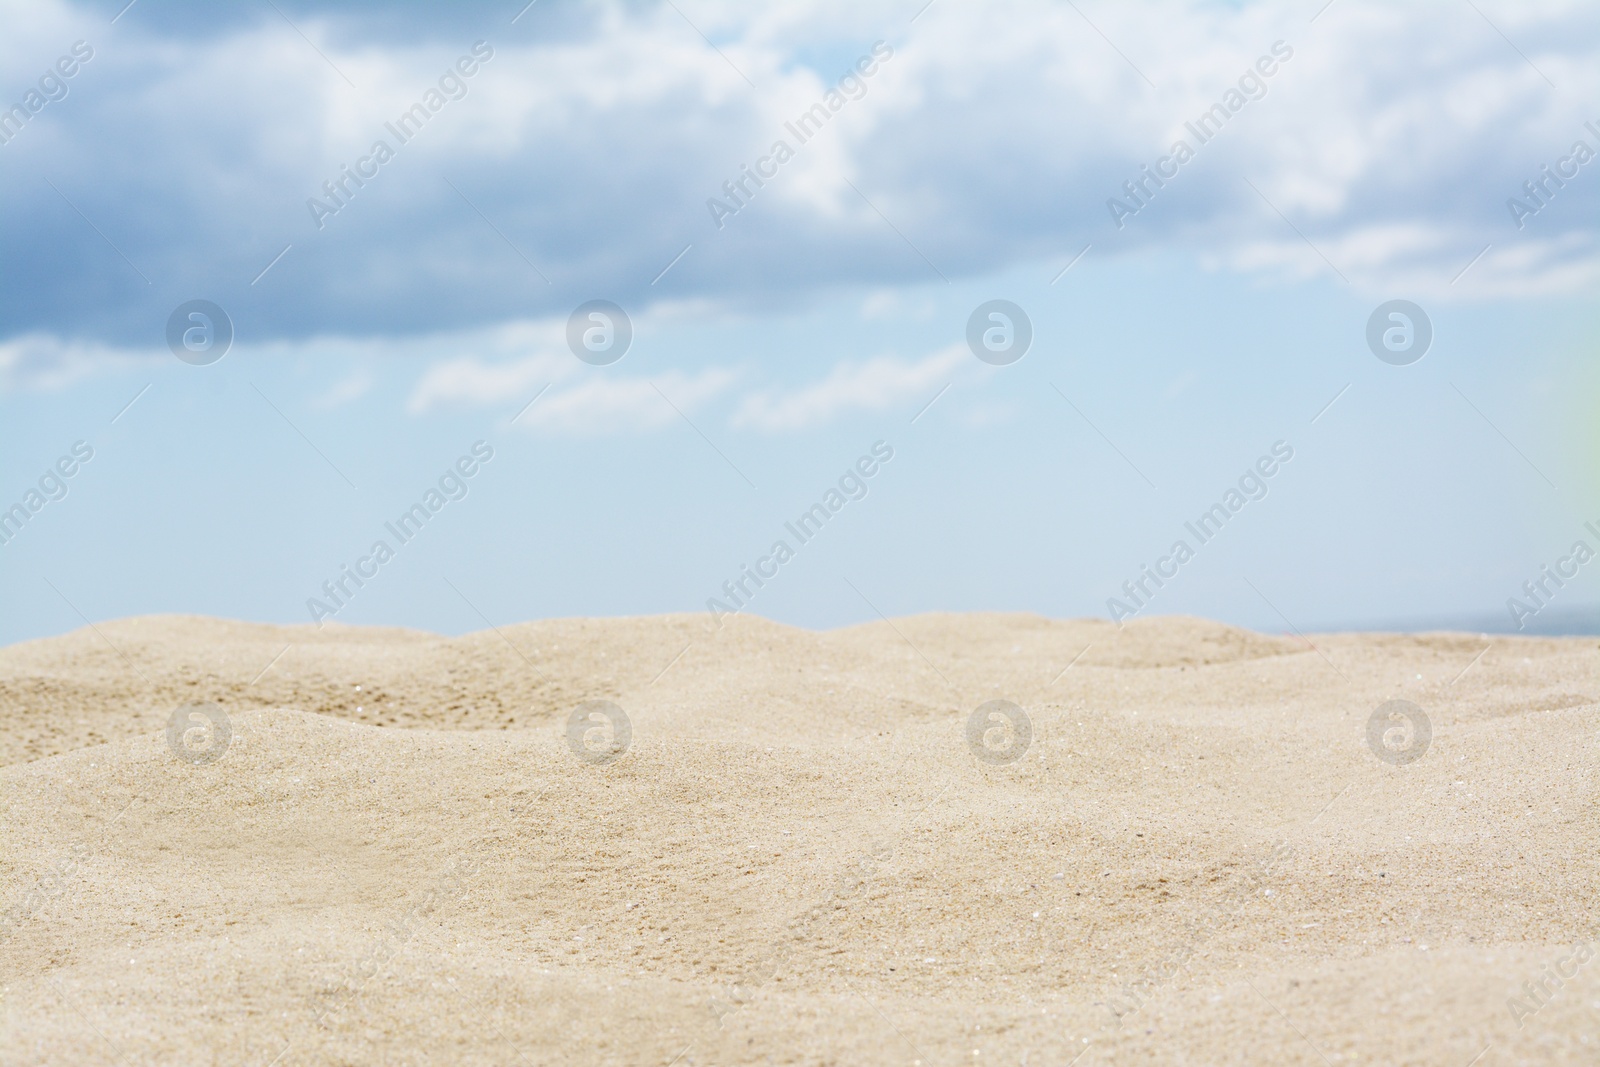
<point x="800" y="857"/>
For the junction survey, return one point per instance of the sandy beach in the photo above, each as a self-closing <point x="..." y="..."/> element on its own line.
<point x="397" y="848"/>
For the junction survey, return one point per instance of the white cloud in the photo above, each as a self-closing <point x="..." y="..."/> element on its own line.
<point x="895" y="303"/>
<point x="589" y="401"/>
<point x="512" y="363"/>
<point x="874" y="385"/>
<point x="1391" y="139"/>
<point x="471" y="381"/>
<point x="346" y="390"/>
<point x="605" y="405"/>
<point x="43" y="361"/>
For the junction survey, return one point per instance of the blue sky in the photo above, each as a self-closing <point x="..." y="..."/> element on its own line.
<point x="975" y="162"/>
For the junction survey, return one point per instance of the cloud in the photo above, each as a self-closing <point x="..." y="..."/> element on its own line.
<point x="580" y="160"/>
<point x="874" y="385"/>
<point x="41" y="361"/>
<point x="347" y="390"/>
<point x="893" y="303"/>
<point x="574" y="400"/>
<point x="606" y="405"/>
<point x="470" y="381"/>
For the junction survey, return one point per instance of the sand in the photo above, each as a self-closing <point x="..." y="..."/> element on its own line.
<point x="399" y="858"/>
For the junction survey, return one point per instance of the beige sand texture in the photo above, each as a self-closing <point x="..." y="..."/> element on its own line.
<point x="800" y="858"/>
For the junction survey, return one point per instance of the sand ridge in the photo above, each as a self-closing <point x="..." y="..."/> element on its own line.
<point x="798" y="859"/>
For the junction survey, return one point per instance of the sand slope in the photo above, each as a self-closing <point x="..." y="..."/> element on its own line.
<point x="799" y="859"/>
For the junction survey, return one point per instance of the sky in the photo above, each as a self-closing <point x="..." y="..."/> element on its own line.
<point x="1065" y="278"/>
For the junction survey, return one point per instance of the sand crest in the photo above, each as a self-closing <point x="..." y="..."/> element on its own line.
<point x="802" y="856"/>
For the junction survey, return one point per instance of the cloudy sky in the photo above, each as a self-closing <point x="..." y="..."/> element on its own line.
<point x="1197" y="208"/>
